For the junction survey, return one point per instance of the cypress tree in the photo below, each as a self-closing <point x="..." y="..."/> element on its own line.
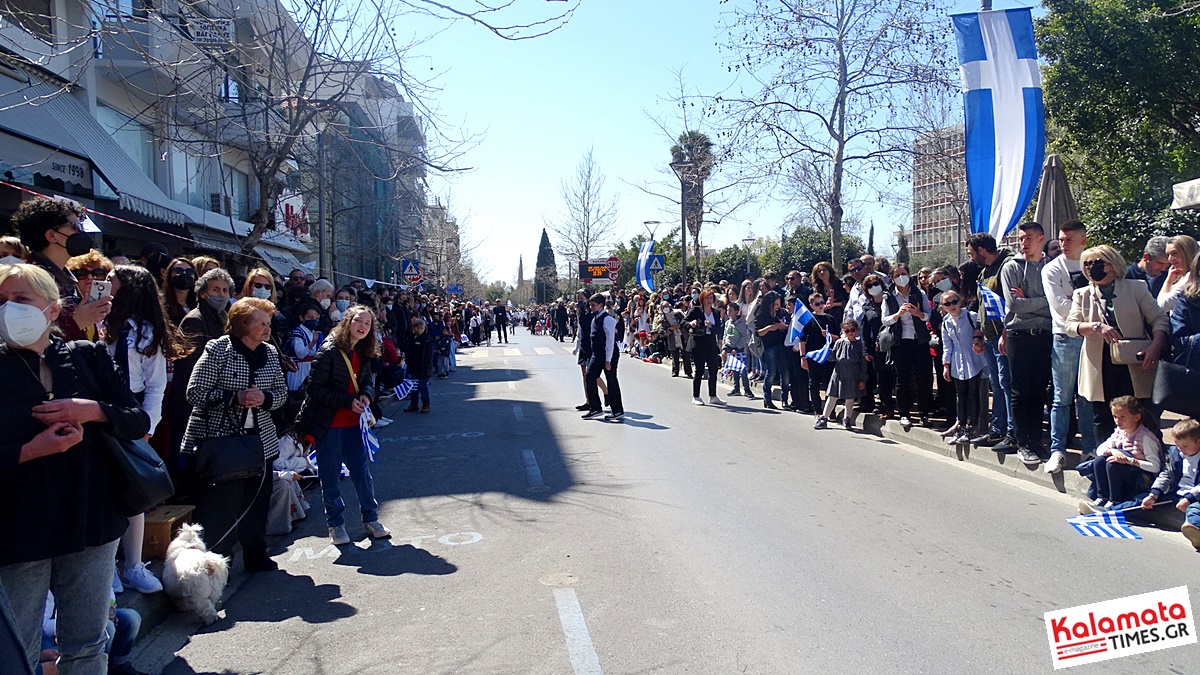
<point x="545" y="276"/>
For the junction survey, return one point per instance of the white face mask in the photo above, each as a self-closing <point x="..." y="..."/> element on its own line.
<point x="944" y="285"/>
<point x="875" y="291"/>
<point x="22" y="325"/>
<point x="325" y="303"/>
<point x="902" y="280"/>
<point x="262" y="293"/>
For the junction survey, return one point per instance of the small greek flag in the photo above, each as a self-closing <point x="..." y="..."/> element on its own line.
<point x="312" y="460"/>
<point x="821" y="355"/>
<point x="800" y="317"/>
<point x="1107" y="524"/>
<point x="405" y="388"/>
<point x="993" y="304"/>
<point x="370" y="441"/>
<point x="735" y="363"/>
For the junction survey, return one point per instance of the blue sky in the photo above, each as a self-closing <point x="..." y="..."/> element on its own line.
<point x="541" y="103"/>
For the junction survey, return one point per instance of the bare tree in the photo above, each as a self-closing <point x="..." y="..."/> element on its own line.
<point x="588" y="221"/>
<point x="831" y="81"/>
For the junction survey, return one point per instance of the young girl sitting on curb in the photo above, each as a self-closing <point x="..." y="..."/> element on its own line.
<point x="1126" y="461"/>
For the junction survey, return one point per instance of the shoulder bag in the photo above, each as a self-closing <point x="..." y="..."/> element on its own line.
<point x="1176" y="386"/>
<point x="139" y="477"/>
<point x="1124" y="352"/>
<point x="234" y="457"/>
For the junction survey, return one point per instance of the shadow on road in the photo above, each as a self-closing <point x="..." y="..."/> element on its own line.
<point x="384" y="560"/>
<point x="277" y="596"/>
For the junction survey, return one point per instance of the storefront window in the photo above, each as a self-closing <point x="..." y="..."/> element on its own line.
<point x="133" y="137"/>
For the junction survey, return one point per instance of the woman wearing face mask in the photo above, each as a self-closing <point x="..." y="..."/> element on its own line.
<point x="179" y="289"/>
<point x="907" y="310"/>
<point x="1112" y="308"/>
<point x="881" y="374"/>
<point x="62" y="534"/>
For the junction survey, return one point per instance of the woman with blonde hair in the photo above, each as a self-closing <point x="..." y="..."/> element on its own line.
<point x="1181" y="251"/>
<point x="204" y="263"/>
<point x="1107" y="313"/>
<point x="340" y="389"/>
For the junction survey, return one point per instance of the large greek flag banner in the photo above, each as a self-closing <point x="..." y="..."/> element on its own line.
<point x="1005" y="119"/>
<point x="645" y="277"/>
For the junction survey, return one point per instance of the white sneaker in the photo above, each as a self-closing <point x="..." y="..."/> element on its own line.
<point x="697" y="401"/>
<point x="383" y="422"/>
<point x="141" y="579"/>
<point x="713" y="400"/>
<point x="118" y="587"/>
<point x="905" y="423"/>
<point x="1056" y="462"/>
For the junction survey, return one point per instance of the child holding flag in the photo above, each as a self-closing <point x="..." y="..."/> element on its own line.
<point x="849" y="379"/>
<point x="814" y="354"/>
<point x="737" y="339"/>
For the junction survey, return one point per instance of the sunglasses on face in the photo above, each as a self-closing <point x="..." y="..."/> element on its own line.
<point x="97" y="273"/>
<point x="258" y="285"/>
<point x="849" y="331"/>
<point x="854" y="269"/>
<point x="950" y="303"/>
<point x="184" y="271"/>
<point x="819" y="303"/>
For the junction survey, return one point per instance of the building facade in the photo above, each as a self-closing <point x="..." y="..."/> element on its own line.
<point x="939" y="184"/>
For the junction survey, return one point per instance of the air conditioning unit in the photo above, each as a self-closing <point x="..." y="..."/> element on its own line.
<point x="219" y="203"/>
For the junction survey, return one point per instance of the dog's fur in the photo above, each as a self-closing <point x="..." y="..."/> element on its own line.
<point x="194" y="577"/>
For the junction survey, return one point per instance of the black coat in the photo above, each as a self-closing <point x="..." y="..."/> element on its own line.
<point x="418" y="356"/>
<point x="327" y="390"/>
<point x="60" y="504"/>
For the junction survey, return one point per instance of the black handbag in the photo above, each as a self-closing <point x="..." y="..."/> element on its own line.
<point x="226" y="458"/>
<point x="139" y="477"/>
<point x="1176" y="387"/>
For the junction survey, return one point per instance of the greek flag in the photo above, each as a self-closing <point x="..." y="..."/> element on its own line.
<point x="1107" y="524"/>
<point x="370" y="441"/>
<point x="645" y="277"/>
<point x="405" y="388"/>
<point x="800" y="317"/>
<point x="735" y="363"/>
<point x="821" y="355"/>
<point x="1005" y="119"/>
<point x="993" y="304"/>
<point x="312" y="460"/>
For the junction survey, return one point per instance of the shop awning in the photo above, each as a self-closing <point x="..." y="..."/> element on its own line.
<point x="280" y="260"/>
<point x="52" y="117"/>
<point x="1187" y="195"/>
<point x="23" y="155"/>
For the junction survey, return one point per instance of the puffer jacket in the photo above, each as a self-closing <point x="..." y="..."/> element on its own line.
<point x="328" y="390"/>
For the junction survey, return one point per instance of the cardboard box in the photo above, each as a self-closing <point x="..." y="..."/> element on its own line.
<point x="162" y="524"/>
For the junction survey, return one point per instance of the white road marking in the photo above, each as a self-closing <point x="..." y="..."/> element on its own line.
<point x="512" y="352"/>
<point x="584" y="660"/>
<point x="533" y="472"/>
<point x="518" y="412"/>
<point x="544" y="351"/>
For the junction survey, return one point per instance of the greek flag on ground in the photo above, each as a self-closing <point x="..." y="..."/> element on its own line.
<point x="405" y="388"/>
<point x="800" y="317"/>
<point x="370" y="442"/>
<point x="993" y="304"/>
<point x="1004" y="117"/>
<point x="1107" y="524"/>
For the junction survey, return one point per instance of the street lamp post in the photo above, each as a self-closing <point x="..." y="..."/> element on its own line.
<point x="747" y="241"/>
<point x="680" y="169"/>
<point x="647" y="223"/>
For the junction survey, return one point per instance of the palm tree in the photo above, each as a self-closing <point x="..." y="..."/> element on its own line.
<point x="694" y="152"/>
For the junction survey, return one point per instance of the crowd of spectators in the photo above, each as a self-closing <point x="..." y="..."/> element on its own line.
<point x="187" y="356"/>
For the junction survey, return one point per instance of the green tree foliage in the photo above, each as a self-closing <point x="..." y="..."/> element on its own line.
<point x="545" y="279"/>
<point x="1120" y="86"/>
<point x="871" y="240"/>
<point x="804" y="247"/>
<point x="730" y="264"/>
<point x="497" y="291"/>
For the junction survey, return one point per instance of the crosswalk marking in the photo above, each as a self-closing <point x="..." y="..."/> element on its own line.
<point x="512" y="352"/>
<point x="544" y="351"/>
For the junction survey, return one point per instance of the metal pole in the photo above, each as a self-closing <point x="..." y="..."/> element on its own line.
<point x="683" y="222"/>
<point x="321" y="248"/>
<point x="959" y="232"/>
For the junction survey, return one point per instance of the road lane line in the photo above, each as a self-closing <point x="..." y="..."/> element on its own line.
<point x="584" y="660"/>
<point x="512" y="352"/>
<point x="533" y="472"/>
<point x="518" y="412"/>
<point x="544" y="351"/>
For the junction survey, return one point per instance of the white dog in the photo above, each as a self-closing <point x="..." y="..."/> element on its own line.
<point x="194" y="577"/>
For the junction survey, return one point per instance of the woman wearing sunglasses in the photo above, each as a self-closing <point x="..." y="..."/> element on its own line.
<point x="962" y="363"/>
<point x="89" y="267"/>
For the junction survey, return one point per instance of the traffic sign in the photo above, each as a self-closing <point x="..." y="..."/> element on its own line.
<point x="657" y="263"/>
<point x="411" y="269"/>
<point x="454" y="289"/>
<point x="613" y="264"/>
<point x="613" y="274"/>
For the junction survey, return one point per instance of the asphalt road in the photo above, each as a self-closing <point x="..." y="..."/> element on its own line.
<point x="683" y="540"/>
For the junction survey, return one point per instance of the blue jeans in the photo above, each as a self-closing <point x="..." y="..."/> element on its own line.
<point x="1001" y="379"/>
<point x="340" y="445"/>
<point x="124" y="633"/>
<point x="1065" y="375"/>
<point x="422" y="391"/>
<point x="81" y="583"/>
<point x="775" y="363"/>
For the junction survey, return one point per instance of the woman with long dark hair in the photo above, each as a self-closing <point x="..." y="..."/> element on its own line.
<point x="825" y="281"/>
<point x="179" y="288"/>
<point x="340" y="388"/>
<point x="141" y="342"/>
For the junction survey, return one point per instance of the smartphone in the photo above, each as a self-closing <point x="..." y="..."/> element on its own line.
<point x="100" y="290"/>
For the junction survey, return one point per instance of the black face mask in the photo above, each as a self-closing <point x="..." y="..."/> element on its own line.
<point x="182" y="282"/>
<point x="78" y="244"/>
<point x="1096" y="271"/>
